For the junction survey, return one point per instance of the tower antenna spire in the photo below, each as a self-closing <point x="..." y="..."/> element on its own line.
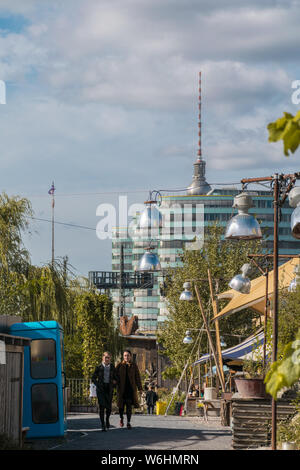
<point x="199" y="122"/>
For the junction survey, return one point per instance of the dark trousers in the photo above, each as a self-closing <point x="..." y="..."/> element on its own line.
<point x="150" y="409"/>
<point x="128" y="404"/>
<point x="107" y="407"/>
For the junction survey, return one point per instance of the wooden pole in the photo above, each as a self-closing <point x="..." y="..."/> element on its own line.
<point x="275" y="300"/>
<point x="266" y="320"/>
<point x="215" y="311"/>
<point x="208" y="332"/>
<point x="53" y="204"/>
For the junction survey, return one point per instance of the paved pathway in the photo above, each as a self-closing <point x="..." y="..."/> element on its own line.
<point x="147" y="433"/>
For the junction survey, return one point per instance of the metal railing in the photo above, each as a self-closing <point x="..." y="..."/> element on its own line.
<point x="79" y="393"/>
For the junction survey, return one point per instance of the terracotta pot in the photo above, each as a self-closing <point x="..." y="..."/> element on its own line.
<point x="251" y="388"/>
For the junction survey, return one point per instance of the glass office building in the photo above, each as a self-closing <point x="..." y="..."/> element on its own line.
<point x="185" y="218"/>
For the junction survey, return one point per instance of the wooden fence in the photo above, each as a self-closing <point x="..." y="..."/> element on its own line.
<point x="251" y="421"/>
<point x="11" y="386"/>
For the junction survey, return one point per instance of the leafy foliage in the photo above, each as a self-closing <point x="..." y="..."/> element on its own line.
<point x="287" y="129"/>
<point x="286" y="371"/>
<point x="95" y="318"/>
<point x="52" y="292"/>
<point x="224" y="259"/>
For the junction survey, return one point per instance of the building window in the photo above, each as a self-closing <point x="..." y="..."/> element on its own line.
<point x="43" y="359"/>
<point x="44" y="403"/>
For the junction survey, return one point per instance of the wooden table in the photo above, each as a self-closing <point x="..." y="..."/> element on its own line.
<point x="207" y="404"/>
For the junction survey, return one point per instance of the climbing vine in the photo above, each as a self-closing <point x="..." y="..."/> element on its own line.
<point x="95" y="320"/>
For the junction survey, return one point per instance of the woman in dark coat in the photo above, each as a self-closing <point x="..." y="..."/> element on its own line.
<point x="105" y="378"/>
<point x="128" y="382"/>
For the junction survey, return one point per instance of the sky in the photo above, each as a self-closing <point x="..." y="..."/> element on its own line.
<point x="102" y="99"/>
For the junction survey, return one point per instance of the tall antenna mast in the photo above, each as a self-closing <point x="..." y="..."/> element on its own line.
<point x="199" y="184"/>
<point x="199" y="122"/>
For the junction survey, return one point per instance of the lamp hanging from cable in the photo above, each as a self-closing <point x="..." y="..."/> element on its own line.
<point x="151" y="217"/>
<point x="294" y="201"/>
<point x="241" y="283"/>
<point x="188" y="338"/>
<point x="149" y="261"/>
<point x="243" y="226"/>
<point x="296" y="281"/>
<point x="186" y="294"/>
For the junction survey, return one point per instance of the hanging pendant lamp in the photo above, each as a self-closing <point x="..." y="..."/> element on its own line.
<point x="240" y="282"/>
<point x="243" y="225"/>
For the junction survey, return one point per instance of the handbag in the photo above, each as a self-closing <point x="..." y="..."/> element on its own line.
<point x="93" y="390"/>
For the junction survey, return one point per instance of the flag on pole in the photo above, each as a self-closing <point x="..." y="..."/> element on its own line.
<point x="52" y="189"/>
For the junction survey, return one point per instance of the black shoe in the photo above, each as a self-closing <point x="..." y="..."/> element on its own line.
<point x="103" y="429"/>
<point x="107" y="424"/>
<point x="129" y="426"/>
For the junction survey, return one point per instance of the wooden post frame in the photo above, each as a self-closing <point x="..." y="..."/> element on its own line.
<point x="218" y="342"/>
<point x="208" y="333"/>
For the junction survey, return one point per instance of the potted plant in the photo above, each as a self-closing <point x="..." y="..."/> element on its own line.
<point x="288" y="433"/>
<point x="200" y="408"/>
<point x="251" y="385"/>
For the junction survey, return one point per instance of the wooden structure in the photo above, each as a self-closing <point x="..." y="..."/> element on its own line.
<point x="11" y="386"/>
<point x="252" y="418"/>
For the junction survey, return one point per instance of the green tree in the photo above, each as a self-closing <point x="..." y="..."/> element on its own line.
<point x="224" y="259"/>
<point x="286" y="370"/>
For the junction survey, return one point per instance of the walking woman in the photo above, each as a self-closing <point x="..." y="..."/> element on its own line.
<point x="128" y="382"/>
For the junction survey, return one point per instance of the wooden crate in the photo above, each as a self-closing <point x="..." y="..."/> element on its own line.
<point x="251" y="421"/>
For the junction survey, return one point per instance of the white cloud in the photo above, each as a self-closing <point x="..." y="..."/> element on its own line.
<point x="100" y="91"/>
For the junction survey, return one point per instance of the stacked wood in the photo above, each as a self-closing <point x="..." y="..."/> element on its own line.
<point x="252" y="418"/>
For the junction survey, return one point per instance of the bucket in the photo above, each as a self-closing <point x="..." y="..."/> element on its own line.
<point x="161" y="407"/>
<point x="210" y="393"/>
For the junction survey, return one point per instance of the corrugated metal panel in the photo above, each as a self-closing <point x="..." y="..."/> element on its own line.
<point x="251" y="421"/>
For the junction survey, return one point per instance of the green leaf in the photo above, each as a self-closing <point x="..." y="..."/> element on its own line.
<point x="285" y="372"/>
<point x="287" y="129"/>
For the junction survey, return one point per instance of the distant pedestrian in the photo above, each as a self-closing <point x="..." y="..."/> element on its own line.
<point x="151" y="399"/>
<point x="105" y="378"/>
<point x="128" y="382"/>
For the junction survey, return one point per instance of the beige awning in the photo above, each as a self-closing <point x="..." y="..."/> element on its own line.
<point x="256" y="298"/>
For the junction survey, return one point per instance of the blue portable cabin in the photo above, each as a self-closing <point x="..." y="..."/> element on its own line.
<point x="44" y="378"/>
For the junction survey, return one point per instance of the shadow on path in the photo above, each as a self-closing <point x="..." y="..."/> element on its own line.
<point x="147" y="433"/>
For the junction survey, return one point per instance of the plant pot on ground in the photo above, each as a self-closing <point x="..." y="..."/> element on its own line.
<point x="251" y="385"/>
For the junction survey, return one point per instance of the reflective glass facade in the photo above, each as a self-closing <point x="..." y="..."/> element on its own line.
<point x="185" y="219"/>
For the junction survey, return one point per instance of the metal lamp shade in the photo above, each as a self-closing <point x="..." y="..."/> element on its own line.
<point x="150" y="218"/>
<point x="295" y="223"/>
<point x="293" y="286"/>
<point x="296" y="281"/>
<point x="243" y="225"/>
<point x="149" y="262"/>
<point x="294" y="201"/>
<point x="188" y="339"/>
<point x="186" y="294"/>
<point x="240" y="282"/>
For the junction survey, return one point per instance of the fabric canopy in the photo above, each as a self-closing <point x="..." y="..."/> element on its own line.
<point x="256" y="298"/>
<point x="241" y="351"/>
